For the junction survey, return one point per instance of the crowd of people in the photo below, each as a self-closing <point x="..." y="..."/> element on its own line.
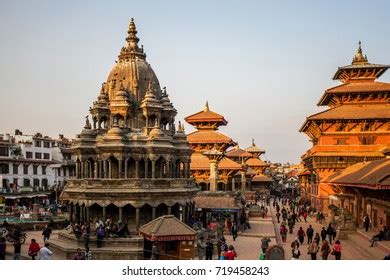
<point x="206" y="249"/>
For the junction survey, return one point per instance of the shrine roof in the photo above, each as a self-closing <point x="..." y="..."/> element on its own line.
<point x="255" y="162"/>
<point x="167" y="228"/>
<point x="351" y="112"/>
<point x="201" y="162"/>
<point x="216" y="201"/>
<point x="373" y="174"/>
<point x="237" y="152"/>
<point x="353" y="88"/>
<point x="208" y="136"/>
<point x="261" y="178"/>
<point x="206" y="115"/>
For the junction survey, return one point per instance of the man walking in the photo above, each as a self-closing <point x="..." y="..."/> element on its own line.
<point x="234" y="231"/>
<point x="309" y="233"/>
<point x="366" y="222"/>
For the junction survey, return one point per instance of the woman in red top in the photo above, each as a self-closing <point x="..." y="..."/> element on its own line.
<point x="230" y="254"/>
<point x="33" y="249"/>
<point x="337" y="250"/>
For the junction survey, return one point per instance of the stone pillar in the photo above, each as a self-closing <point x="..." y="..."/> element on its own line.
<point x="95" y="175"/>
<point x="120" y="214"/>
<point x="136" y="169"/>
<point x="146" y="168"/>
<point x="120" y="161"/>
<point x="82" y="214"/>
<point x="105" y="175"/>
<point x="77" y="169"/>
<point x="184" y="214"/>
<point x="169" y="210"/>
<point x="213" y="175"/>
<point x="233" y="184"/>
<point x="137" y="218"/>
<point x="185" y="170"/>
<point x="153" y="213"/>
<point x="161" y="171"/>
<point x="243" y="181"/>
<point x="87" y="214"/>
<point x="82" y="170"/>
<point x="104" y="213"/>
<point x="126" y="167"/>
<point x="109" y="169"/>
<point x="169" y="175"/>
<point x="153" y="169"/>
<point x="71" y="213"/>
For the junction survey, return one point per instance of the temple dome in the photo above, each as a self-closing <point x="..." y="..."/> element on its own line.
<point x="132" y="71"/>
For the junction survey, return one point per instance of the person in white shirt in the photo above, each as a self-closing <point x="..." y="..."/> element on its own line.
<point x="45" y="253"/>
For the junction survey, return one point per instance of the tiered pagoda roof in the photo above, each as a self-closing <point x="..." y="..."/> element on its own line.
<point x="206" y="119"/>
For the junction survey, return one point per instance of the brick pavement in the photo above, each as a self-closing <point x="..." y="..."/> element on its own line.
<point x="356" y="247"/>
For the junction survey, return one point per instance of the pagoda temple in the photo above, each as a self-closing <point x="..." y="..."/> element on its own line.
<point x="355" y="128"/>
<point x="132" y="165"/>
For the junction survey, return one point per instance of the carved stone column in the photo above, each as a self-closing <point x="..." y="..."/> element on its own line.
<point x="87" y="214"/>
<point x="120" y="212"/>
<point x="146" y="168"/>
<point x="153" y="213"/>
<point x="169" y="210"/>
<point x="153" y="169"/>
<point x="81" y="170"/>
<point x="104" y="213"/>
<point x="126" y="167"/>
<point x="120" y="161"/>
<point x="109" y="169"/>
<point x="77" y="170"/>
<point x="95" y="175"/>
<point x="213" y="175"/>
<point x="137" y="218"/>
<point x="105" y="174"/>
<point x="136" y="169"/>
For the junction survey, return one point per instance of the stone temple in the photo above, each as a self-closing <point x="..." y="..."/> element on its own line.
<point x="132" y="164"/>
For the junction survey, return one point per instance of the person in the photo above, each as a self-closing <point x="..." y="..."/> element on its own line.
<point x="33" y="249"/>
<point x="100" y="234"/>
<point x="123" y="231"/>
<point x="234" y="231"/>
<point x="305" y="216"/>
<point x="366" y="222"/>
<point x="209" y="249"/>
<point x="79" y="255"/>
<point x="231" y="253"/>
<point x="3" y="248"/>
<point x="329" y="232"/>
<point x="265" y="243"/>
<point x="295" y="244"/>
<point x="17" y="249"/>
<point x="313" y="250"/>
<point x="301" y="235"/>
<point x="317" y="238"/>
<point x="87" y="235"/>
<point x="17" y="233"/>
<point x="88" y="253"/>
<point x="200" y="246"/>
<point x="310" y="233"/>
<point x="262" y="256"/>
<point x="155" y="251"/>
<point x="296" y="253"/>
<point x="387" y="257"/>
<point x="45" y="253"/>
<point x="325" y="249"/>
<point x="323" y="234"/>
<point x="46" y="232"/>
<point x="376" y="238"/>
<point x="337" y="250"/>
<point x="278" y="217"/>
<point x="283" y="232"/>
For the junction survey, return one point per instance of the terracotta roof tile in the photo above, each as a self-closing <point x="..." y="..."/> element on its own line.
<point x="205" y="116"/>
<point x="261" y="178"/>
<point x="354" y="111"/>
<point x="166" y="226"/>
<point x="237" y="152"/>
<point x="216" y="201"/>
<point x="208" y="136"/>
<point x="358" y="87"/>
<point x="201" y="162"/>
<point x="373" y="174"/>
<point x="255" y="162"/>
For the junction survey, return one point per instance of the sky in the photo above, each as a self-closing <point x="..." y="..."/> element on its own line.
<point x="262" y="64"/>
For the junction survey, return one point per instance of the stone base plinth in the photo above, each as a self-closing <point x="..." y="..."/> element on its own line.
<point x="64" y="248"/>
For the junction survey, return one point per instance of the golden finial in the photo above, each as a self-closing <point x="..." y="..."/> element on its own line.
<point x="253" y="142"/>
<point x="359" y="58"/>
<point x="206" y="107"/>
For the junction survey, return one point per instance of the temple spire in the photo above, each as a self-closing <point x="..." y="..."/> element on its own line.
<point x="131" y="50"/>
<point x="253" y="142"/>
<point x="359" y="58"/>
<point x="206" y="107"/>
